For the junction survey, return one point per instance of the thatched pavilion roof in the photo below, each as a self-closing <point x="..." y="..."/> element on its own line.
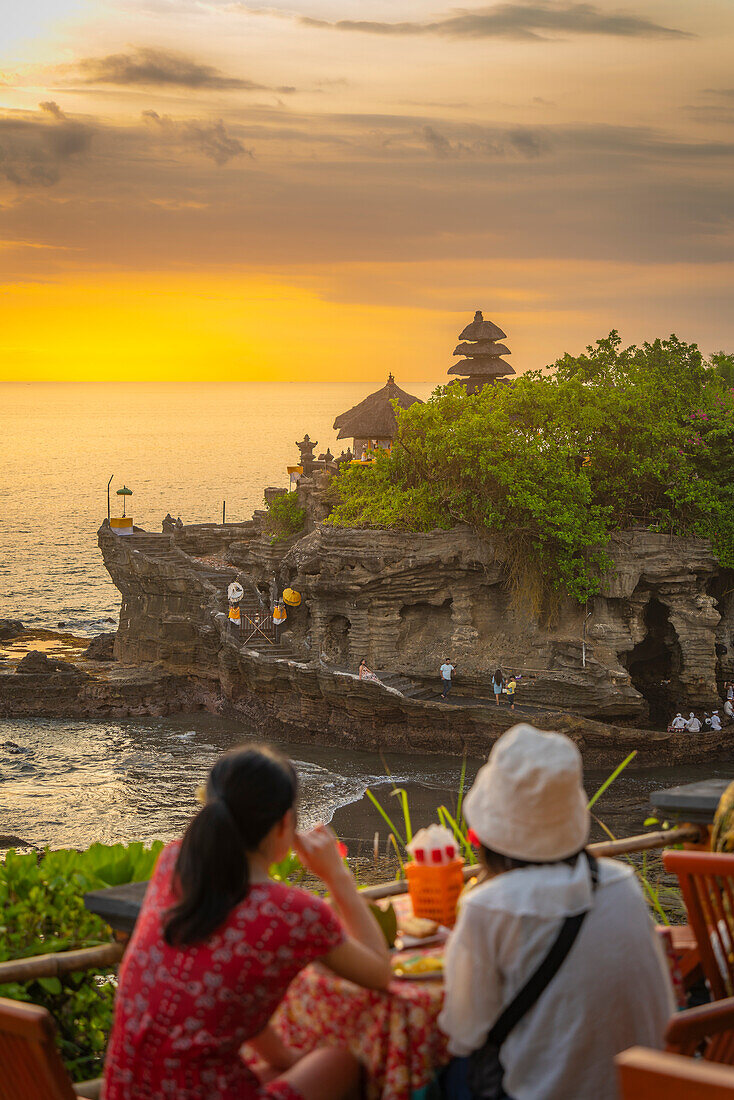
<point x="479" y="329"/>
<point x="481" y="367"/>
<point x="374" y="418"/>
<point x="483" y="347"/>
<point x="483" y="363"/>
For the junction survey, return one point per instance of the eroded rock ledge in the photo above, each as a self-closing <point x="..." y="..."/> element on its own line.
<point x="659" y="635"/>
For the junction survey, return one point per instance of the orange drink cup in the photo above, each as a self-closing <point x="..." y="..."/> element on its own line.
<point x="434" y="889"/>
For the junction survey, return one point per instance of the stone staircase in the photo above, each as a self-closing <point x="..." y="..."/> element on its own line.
<point x="249" y="608"/>
<point x="161" y="548"/>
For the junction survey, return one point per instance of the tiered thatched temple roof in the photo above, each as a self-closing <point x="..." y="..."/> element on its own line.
<point x="483" y="361"/>
<point x="371" y="423"/>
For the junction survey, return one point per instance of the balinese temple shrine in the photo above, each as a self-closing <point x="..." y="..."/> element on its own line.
<point x="371" y="423"/>
<point x="483" y="362"/>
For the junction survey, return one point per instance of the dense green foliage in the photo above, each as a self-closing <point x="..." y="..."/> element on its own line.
<point x="554" y="463"/>
<point x="285" y="516"/>
<point x="42" y="906"/>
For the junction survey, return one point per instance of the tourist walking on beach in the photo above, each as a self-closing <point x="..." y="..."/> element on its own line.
<point x="548" y="900"/>
<point x="447" y="671"/>
<point x="511" y="688"/>
<point x="498" y="683"/>
<point x="217" y="944"/>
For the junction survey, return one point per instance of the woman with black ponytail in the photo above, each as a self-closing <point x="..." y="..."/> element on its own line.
<point x="218" y="942"/>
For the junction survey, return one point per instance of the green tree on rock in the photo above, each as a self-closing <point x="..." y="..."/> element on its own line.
<point x="552" y="464"/>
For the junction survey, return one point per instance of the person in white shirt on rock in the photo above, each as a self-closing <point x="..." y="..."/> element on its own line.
<point x="693" y="725"/>
<point x="611" y="988"/>
<point x="678" y="723"/>
<point x="729" y="709"/>
<point x="715" y="721"/>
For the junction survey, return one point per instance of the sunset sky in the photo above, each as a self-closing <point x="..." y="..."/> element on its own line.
<point x="327" y="189"/>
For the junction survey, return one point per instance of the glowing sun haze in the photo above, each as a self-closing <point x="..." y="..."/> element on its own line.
<point x="201" y="189"/>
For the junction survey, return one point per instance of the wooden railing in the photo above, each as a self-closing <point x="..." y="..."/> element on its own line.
<point x="691" y="834"/>
<point x="62" y="962"/>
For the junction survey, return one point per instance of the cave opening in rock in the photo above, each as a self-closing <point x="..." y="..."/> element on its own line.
<point x="655" y="663"/>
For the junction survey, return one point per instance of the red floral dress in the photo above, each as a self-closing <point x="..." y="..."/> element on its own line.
<point x="182" y="1013"/>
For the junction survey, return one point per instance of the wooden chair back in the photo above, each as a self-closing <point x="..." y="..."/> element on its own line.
<point x="656" y="1075"/>
<point x="706" y="1031"/>
<point x="707" y="884"/>
<point x="30" y="1065"/>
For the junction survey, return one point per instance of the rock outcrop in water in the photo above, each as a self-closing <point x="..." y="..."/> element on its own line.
<point x="10" y="628"/>
<point x="101" y="648"/>
<point x="659" y="636"/>
<point x="36" y="663"/>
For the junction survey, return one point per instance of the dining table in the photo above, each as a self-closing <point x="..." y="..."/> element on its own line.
<point x="394" y="1034"/>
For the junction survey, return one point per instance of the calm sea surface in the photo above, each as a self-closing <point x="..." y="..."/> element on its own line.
<point x="181" y="449"/>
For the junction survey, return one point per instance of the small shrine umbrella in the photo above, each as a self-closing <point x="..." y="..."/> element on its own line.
<point x="124" y="492"/>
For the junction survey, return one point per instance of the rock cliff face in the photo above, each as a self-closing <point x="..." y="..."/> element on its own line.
<point x="657" y="639"/>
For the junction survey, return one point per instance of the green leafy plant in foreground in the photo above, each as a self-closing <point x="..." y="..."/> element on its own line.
<point x="42" y="907"/>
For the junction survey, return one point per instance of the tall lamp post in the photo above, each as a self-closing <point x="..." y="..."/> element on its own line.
<point x="108" y="498"/>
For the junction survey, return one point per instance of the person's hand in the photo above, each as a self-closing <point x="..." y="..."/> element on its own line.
<point x="318" y="851"/>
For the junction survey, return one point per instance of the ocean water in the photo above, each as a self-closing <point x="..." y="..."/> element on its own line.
<point x="72" y="782"/>
<point x="181" y="448"/>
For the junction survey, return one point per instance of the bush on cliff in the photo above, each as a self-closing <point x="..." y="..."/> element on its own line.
<point x="554" y="463"/>
<point x="285" y="516"/>
<point x="42" y="906"/>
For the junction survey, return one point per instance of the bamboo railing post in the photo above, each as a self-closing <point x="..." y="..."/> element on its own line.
<point x="62" y="962"/>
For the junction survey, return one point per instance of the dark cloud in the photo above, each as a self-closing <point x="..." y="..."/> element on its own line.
<point x="537" y="20"/>
<point x="727" y="93"/>
<point x="33" y="152"/>
<point x="53" y="109"/>
<point x="149" y="67"/>
<point x="209" y="138"/>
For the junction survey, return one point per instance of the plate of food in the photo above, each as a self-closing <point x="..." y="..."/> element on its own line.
<point x="419" y="932"/>
<point x="418" y="968"/>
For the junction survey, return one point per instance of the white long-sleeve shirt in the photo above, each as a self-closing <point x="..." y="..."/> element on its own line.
<point x="612" y="991"/>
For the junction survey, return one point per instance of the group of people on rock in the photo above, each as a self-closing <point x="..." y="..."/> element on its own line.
<point x="218" y="941"/>
<point x="710" y="721"/>
<point x="501" y="685"/>
<point x="694" y="724"/>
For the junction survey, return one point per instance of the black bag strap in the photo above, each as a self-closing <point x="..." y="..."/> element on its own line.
<point x="530" y="993"/>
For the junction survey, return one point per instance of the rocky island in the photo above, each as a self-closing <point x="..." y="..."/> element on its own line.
<point x="657" y="634"/>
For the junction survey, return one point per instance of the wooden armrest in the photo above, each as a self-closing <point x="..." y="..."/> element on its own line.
<point x="89" y="1090"/>
<point x="694" y="1024"/>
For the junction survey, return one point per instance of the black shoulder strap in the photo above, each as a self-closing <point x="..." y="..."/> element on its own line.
<point x="549" y="967"/>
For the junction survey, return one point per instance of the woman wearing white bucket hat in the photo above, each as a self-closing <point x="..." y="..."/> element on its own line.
<point x="605" y="986"/>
